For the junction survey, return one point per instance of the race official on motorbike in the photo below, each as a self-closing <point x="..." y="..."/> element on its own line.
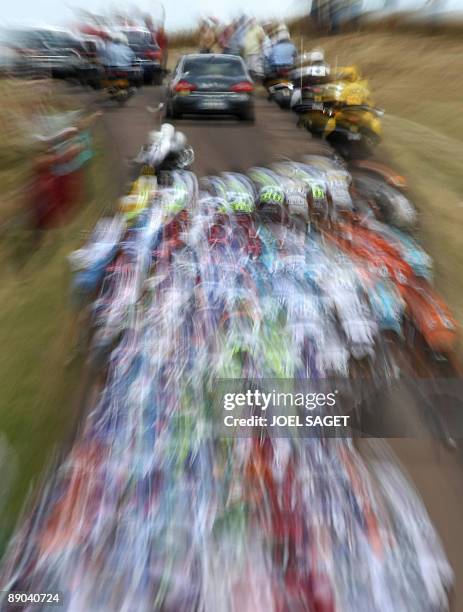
<point x="282" y="53"/>
<point x="116" y="57"/>
<point x="117" y="53"/>
<point x="317" y="71"/>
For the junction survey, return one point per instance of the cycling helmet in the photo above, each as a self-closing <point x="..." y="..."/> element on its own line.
<point x="179" y="195"/>
<point x="121" y="38"/>
<point x="240" y="193"/>
<point x="270" y="193"/>
<point x="282" y="34"/>
<point x="216" y="189"/>
<point x="317" y="56"/>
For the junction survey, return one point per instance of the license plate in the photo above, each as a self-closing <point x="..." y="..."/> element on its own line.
<point x="318" y="106"/>
<point x="213" y="104"/>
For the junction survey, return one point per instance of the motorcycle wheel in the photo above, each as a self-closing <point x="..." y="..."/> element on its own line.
<point x="170" y="112"/>
<point x="283" y="101"/>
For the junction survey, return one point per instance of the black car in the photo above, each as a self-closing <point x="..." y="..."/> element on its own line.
<point x="147" y="52"/>
<point x="45" y="51"/>
<point x="211" y="84"/>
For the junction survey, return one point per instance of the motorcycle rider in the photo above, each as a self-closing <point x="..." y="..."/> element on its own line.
<point x="116" y="56"/>
<point x="117" y="53"/>
<point x="317" y="71"/>
<point x="282" y="53"/>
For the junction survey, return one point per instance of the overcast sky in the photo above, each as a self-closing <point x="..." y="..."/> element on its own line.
<point x="179" y="13"/>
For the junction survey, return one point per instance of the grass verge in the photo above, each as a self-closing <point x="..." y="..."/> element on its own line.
<point x="38" y="382"/>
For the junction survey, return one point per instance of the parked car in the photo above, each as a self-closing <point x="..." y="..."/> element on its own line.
<point x="44" y="52"/>
<point x="147" y="52"/>
<point x="211" y="84"/>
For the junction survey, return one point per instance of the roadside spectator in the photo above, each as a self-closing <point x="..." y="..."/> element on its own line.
<point x="252" y="48"/>
<point x="235" y="42"/>
<point x="224" y="38"/>
<point x="269" y="38"/>
<point x="161" y="39"/>
<point x="207" y="37"/>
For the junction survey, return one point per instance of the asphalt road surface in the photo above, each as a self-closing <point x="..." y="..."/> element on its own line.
<point x="227" y="144"/>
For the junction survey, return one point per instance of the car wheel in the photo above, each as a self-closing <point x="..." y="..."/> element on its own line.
<point x="148" y="78"/>
<point x="171" y="113"/>
<point x="157" y="78"/>
<point x="248" y="116"/>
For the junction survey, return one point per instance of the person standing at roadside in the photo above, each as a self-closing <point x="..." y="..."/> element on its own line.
<point x="207" y="37"/>
<point x="161" y="39"/>
<point x="235" y="41"/>
<point x="224" y="38"/>
<point x="252" y="49"/>
<point x="269" y="30"/>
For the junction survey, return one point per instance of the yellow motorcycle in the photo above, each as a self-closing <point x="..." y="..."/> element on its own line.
<point x="340" y="109"/>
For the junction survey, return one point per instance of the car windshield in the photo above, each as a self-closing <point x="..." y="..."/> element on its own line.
<point x="214" y="66"/>
<point x="57" y="40"/>
<point x="25" y="38"/>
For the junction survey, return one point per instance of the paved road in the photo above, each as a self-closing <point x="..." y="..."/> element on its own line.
<point x="230" y="145"/>
<point x="220" y="144"/>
